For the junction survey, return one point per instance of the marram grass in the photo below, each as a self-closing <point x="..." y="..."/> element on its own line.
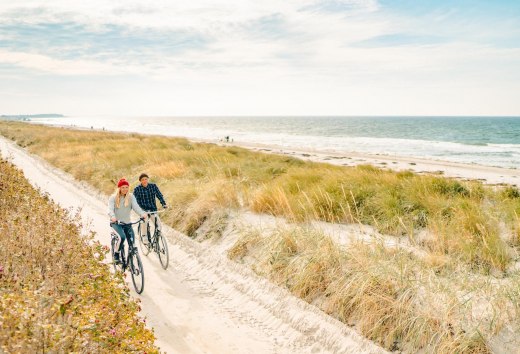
<point x="469" y="222"/>
<point x="389" y="295"/>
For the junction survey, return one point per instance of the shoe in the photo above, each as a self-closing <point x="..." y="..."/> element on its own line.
<point x="117" y="259"/>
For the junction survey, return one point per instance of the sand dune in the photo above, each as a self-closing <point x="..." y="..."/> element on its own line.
<point x="204" y="303"/>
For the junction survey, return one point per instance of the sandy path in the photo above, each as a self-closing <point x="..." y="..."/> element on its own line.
<point x="203" y="303"/>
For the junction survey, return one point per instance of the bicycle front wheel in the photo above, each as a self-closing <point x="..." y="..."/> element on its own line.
<point x="136" y="269"/>
<point x="112" y="248"/>
<point x="162" y="250"/>
<point x="145" y="247"/>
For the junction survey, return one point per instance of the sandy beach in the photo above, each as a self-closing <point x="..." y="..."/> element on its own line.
<point x="485" y="174"/>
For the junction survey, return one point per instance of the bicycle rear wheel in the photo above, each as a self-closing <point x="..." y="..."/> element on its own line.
<point x="162" y="250"/>
<point x="136" y="269"/>
<point x="145" y="248"/>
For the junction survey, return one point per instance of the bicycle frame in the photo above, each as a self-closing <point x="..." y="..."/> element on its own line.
<point x="135" y="265"/>
<point x="131" y="250"/>
<point x="157" y="219"/>
<point x="156" y="241"/>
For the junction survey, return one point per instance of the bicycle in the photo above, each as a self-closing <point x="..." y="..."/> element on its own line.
<point x="132" y="260"/>
<point x="158" y="243"/>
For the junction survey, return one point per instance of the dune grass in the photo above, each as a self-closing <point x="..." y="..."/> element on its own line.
<point x="402" y="301"/>
<point x="467" y="221"/>
<point x="55" y="294"/>
<point x="390" y="295"/>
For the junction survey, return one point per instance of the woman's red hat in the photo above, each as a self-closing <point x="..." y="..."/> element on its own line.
<point x="122" y="182"/>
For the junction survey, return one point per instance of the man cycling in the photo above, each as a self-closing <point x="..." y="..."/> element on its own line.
<point x="145" y="194"/>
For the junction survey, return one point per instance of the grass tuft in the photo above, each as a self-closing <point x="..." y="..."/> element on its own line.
<point x="387" y="294"/>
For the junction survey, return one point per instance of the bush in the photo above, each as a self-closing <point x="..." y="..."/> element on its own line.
<point x="55" y="294"/>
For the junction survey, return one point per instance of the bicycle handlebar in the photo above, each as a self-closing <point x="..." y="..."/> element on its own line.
<point x="131" y="223"/>
<point x="155" y="212"/>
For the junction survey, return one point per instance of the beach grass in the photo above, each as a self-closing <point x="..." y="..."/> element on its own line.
<point x="466" y="220"/>
<point x="465" y="231"/>
<point x="55" y="294"/>
<point x="393" y="297"/>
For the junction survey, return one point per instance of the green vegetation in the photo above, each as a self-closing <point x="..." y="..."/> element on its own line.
<point x="445" y="297"/>
<point x="393" y="297"/>
<point x="55" y="294"/>
<point x="469" y="222"/>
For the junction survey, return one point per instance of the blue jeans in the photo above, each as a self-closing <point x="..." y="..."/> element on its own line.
<point x="125" y="232"/>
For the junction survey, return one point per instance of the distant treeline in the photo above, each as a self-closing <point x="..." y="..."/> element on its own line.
<point x="29" y="116"/>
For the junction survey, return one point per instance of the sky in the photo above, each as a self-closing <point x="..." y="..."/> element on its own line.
<point x="268" y="57"/>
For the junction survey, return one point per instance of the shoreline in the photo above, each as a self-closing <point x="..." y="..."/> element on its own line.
<point x="491" y="175"/>
<point x="486" y="174"/>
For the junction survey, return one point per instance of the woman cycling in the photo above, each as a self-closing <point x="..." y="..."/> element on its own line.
<point x="119" y="207"/>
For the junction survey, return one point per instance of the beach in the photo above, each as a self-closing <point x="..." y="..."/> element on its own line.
<point x="485" y="173"/>
<point x="259" y="269"/>
<point x="462" y="171"/>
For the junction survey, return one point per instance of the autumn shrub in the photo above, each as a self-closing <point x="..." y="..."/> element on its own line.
<point x="56" y="295"/>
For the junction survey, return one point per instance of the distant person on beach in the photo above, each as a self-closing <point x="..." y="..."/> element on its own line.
<point x="120" y="205"/>
<point x="146" y="194"/>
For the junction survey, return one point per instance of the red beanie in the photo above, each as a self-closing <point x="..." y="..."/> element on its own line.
<point x="122" y="182"/>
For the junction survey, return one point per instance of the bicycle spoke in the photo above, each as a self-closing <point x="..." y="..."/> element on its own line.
<point x="145" y="248"/>
<point x="118" y="266"/>
<point x="136" y="270"/>
<point x="162" y="250"/>
<point x="112" y="246"/>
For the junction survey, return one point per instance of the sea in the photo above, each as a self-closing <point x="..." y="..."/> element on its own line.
<point x="488" y="141"/>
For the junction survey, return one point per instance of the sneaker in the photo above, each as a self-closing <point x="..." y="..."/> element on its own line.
<point x="117" y="259"/>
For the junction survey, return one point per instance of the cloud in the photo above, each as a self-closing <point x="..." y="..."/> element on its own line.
<point x="350" y="47"/>
<point x="401" y="39"/>
<point x="69" y="40"/>
<point x="47" y="64"/>
<point x="335" y="6"/>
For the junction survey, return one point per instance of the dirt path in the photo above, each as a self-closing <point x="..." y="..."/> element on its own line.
<point x="203" y="303"/>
